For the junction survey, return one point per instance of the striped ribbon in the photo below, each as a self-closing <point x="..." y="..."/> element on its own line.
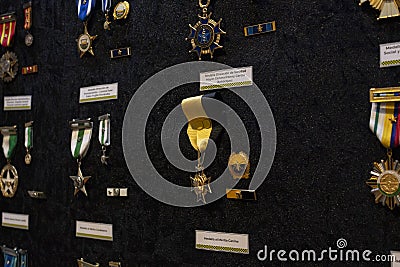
<point x="384" y="123"/>
<point x="85" y="8"/>
<point x="105" y="5"/>
<point x="104" y="132"/>
<point x="10" y="260"/>
<point x="9" y="142"/>
<point x="7" y="29"/>
<point x="28" y="135"/>
<point x="80" y="140"/>
<point x="28" y="15"/>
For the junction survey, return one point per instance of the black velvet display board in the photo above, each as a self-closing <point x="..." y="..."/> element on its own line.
<point x="315" y="71"/>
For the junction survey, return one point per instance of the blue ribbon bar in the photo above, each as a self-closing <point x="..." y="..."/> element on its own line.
<point x="259" y="29"/>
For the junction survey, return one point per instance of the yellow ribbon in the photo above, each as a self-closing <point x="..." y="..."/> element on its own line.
<point x="200" y="126"/>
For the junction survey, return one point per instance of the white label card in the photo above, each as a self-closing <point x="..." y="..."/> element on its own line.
<point x="226" y="242"/>
<point x="98" y="93"/>
<point x="23" y="102"/>
<point x="227" y="78"/>
<point x="396" y="260"/>
<point x="13" y="220"/>
<point x="389" y="55"/>
<point x="92" y="230"/>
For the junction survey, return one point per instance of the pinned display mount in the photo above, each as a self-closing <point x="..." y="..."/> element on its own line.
<point x="388" y="8"/>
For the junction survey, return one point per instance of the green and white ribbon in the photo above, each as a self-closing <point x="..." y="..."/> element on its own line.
<point x="81" y="136"/>
<point x="9" y="140"/>
<point x="104" y="130"/>
<point x="29" y="135"/>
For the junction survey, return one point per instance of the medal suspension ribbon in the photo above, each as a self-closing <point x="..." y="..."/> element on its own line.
<point x="28" y="136"/>
<point x="7" y="29"/>
<point x="105" y="5"/>
<point x="80" y="139"/>
<point x="85" y="8"/>
<point x="104" y="132"/>
<point x="384" y="123"/>
<point x="28" y="15"/>
<point x="9" y="141"/>
<point x="199" y="126"/>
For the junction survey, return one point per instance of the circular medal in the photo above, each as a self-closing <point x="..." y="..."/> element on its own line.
<point x="388" y="183"/>
<point x="28" y="159"/>
<point x="121" y="10"/>
<point x="28" y="39"/>
<point x="84" y="43"/>
<point x="9" y="180"/>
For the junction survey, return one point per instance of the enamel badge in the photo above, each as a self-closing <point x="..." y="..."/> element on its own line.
<point x="205" y="35"/>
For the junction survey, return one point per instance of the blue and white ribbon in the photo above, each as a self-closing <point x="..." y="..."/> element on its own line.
<point x="84" y="8"/>
<point x="105" y="5"/>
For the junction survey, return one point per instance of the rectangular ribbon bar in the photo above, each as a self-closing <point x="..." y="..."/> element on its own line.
<point x="7" y="28"/>
<point x="120" y="52"/>
<point x="241" y="194"/>
<point x="389" y="94"/>
<point x="30" y="69"/>
<point x="259" y="28"/>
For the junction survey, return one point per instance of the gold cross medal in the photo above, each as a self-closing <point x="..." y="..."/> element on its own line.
<point x="384" y="122"/>
<point x="9" y="175"/>
<point x="80" y="142"/>
<point x="85" y="40"/>
<point x="205" y="35"/>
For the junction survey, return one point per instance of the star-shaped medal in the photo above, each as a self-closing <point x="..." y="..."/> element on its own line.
<point x="79" y="182"/>
<point x="201" y="185"/>
<point x="8" y="182"/>
<point x="85" y="42"/>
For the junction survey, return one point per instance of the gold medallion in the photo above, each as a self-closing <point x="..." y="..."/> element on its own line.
<point x="121" y="10"/>
<point x="9" y="180"/>
<point x="28" y="158"/>
<point x="385" y="182"/>
<point x="239" y="165"/>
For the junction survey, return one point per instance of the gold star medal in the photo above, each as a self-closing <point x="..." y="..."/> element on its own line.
<point x="85" y="40"/>
<point x="80" y="142"/>
<point x="9" y="175"/>
<point x="384" y="122"/>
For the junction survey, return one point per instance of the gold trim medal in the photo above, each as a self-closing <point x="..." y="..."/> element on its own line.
<point x="9" y="175"/>
<point x="80" y="142"/>
<point x="384" y="122"/>
<point x="205" y="35"/>
<point x="85" y="40"/>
